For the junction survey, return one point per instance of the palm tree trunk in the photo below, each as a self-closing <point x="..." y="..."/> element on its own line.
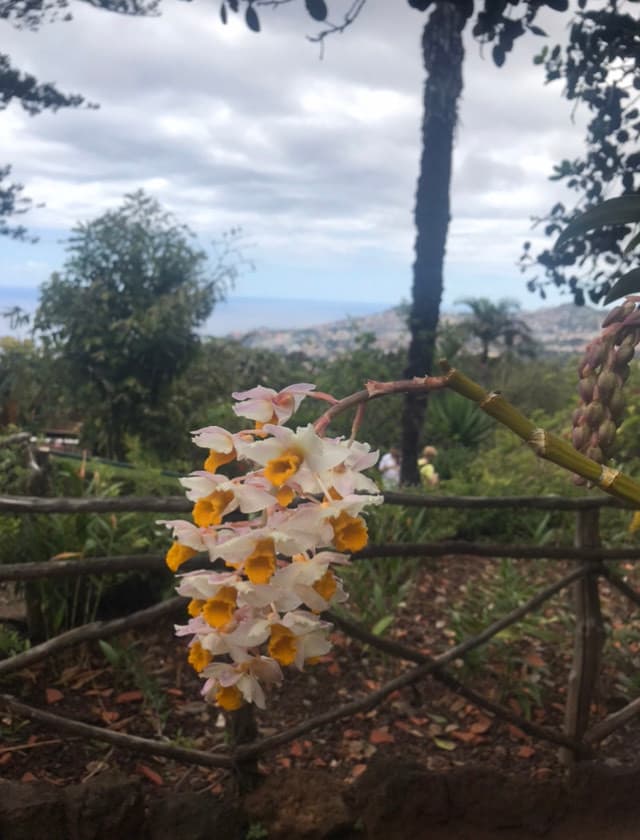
<point x="443" y="54"/>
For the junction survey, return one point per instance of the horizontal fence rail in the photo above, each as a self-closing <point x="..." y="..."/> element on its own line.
<point x="179" y="504"/>
<point x="576" y="741"/>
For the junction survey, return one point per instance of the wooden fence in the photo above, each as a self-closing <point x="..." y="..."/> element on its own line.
<point x="591" y="562"/>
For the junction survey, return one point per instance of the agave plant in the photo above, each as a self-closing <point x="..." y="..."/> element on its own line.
<point x="456" y="421"/>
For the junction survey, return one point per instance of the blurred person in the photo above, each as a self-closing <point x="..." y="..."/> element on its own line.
<point x="428" y="474"/>
<point x="389" y="467"/>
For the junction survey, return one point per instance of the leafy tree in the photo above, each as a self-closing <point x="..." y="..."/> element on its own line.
<point x="499" y="22"/>
<point x="600" y="68"/>
<point x="122" y="315"/>
<point x="492" y="323"/>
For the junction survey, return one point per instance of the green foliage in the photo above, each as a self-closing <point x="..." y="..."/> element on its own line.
<point x="377" y="587"/>
<point x="121" y="318"/>
<point x="345" y="375"/>
<point x="615" y="211"/>
<point x="11" y="641"/>
<point x="599" y="69"/>
<point x="492" y="597"/>
<point x="129" y="668"/>
<point x="60" y="604"/>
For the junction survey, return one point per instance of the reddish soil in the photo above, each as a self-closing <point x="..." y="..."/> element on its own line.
<point x="343" y="769"/>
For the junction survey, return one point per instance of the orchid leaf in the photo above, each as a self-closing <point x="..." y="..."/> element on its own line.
<point x="628" y="284"/>
<point x="615" y="211"/>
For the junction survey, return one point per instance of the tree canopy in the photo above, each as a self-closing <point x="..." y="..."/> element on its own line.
<point x="122" y="315"/>
<point x="498" y="323"/>
<point x="600" y="68"/>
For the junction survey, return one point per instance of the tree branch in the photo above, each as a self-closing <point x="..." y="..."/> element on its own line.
<point x="146" y="746"/>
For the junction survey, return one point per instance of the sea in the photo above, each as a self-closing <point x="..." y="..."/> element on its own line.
<point x="234" y="316"/>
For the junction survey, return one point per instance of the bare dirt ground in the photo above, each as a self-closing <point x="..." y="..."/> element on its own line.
<point x="426" y="763"/>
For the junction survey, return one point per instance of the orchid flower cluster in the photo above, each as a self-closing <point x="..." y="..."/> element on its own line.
<point x="297" y="516"/>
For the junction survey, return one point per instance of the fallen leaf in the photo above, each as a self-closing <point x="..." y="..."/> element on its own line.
<point x="526" y="752"/>
<point x="466" y="737"/>
<point x="53" y="695"/>
<point x="129" y="697"/>
<point x="481" y="726"/>
<point x="358" y="770"/>
<point x="109" y="717"/>
<point x="516" y="732"/>
<point x="535" y="660"/>
<point x="296" y="749"/>
<point x="351" y="733"/>
<point x="334" y="669"/>
<point x="284" y="761"/>
<point x="443" y="744"/>
<point x="5" y="758"/>
<point x="28" y="777"/>
<point x="150" y="774"/>
<point x="175" y="692"/>
<point x="381" y="736"/>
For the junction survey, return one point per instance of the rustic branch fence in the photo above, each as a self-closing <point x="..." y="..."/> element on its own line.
<point x="576" y="740"/>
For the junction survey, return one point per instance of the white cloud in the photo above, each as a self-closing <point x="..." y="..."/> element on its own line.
<point x="315" y="159"/>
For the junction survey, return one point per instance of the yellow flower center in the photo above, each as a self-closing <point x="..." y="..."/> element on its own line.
<point x="219" y="610"/>
<point x="285" y="496"/>
<point x="194" y="607"/>
<point x="326" y="586"/>
<point x="260" y="565"/>
<point x="280" y="469"/>
<point x="217" y="459"/>
<point x="282" y="644"/>
<point x="349" y="532"/>
<point x="177" y="555"/>
<point x="199" y="658"/>
<point x="230" y="698"/>
<point x="208" y="511"/>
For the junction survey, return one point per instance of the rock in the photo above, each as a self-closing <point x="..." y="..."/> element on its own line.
<point x="110" y="806"/>
<point x="28" y="808"/>
<point x="396" y="799"/>
<point x="300" y="804"/>
<point x="194" y="816"/>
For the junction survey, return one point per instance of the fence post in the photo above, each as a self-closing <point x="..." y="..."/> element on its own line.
<point x="242" y="730"/>
<point x="588" y="636"/>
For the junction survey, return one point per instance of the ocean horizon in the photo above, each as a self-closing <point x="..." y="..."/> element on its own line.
<point x="235" y="315"/>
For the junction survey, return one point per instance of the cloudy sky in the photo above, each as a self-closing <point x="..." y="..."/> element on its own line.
<point x="316" y="159"/>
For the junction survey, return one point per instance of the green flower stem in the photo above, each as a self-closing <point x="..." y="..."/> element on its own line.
<point x="545" y="444"/>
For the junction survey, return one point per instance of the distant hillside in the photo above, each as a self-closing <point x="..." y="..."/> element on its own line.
<point x="559" y="329"/>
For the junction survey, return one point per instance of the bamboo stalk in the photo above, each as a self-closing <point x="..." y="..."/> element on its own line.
<point x="588" y="637"/>
<point x="545" y="444"/>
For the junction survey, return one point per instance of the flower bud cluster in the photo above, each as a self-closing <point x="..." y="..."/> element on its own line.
<point x="603" y="371"/>
<point x="300" y="500"/>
